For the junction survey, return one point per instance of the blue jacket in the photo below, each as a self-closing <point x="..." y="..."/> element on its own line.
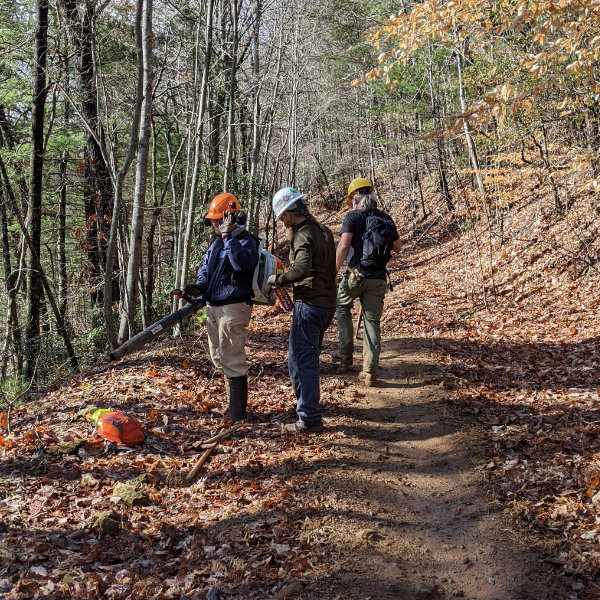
<point x="225" y="276"/>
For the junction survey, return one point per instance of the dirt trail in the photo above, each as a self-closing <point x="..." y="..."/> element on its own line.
<point x="405" y="513"/>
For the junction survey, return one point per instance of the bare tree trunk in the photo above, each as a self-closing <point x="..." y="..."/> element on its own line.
<point x="34" y="208"/>
<point x="111" y="248"/>
<point x="234" y="9"/>
<point x="439" y="145"/>
<point x="60" y="322"/>
<point x="13" y="332"/>
<point x="141" y="176"/>
<point x="62" y="232"/>
<point x="98" y="188"/>
<point x="293" y="116"/>
<point x="256" y="134"/>
<point x="182" y="268"/>
<point x="468" y="136"/>
<point x="269" y="115"/>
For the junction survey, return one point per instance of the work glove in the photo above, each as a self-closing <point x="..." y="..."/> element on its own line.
<point x="228" y="224"/>
<point x="272" y="281"/>
<point x="191" y="290"/>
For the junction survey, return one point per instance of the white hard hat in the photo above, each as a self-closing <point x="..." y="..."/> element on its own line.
<point x="285" y="199"/>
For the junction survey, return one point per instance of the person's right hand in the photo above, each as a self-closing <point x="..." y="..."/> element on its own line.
<point x="191" y="290"/>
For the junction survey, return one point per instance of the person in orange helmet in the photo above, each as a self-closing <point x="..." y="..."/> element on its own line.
<point x="225" y="281"/>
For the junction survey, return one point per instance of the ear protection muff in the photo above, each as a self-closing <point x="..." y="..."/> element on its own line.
<point x="239" y="216"/>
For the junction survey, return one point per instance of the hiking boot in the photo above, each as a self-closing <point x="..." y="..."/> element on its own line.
<point x="369" y="378"/>
<point x="237" y="394"/>
<point x="301" y="427"/>
<point x="345" y="361"/>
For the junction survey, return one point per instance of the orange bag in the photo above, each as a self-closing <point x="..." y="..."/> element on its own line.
<point x="119" y="427"/>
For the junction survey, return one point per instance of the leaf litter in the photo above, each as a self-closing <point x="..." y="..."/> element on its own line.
<point x="525" y="373"/>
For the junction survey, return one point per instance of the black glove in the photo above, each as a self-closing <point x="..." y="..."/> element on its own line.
<point x="228" y="224"/>
<point x="191" y="290"/>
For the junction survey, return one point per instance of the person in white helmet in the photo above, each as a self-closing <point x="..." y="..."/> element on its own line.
<point x="312" y="275"/>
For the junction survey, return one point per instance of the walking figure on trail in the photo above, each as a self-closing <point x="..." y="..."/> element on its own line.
<point x="367" y="238"/>
<point x="225" y="281"/>
<point x="312" y="275"/>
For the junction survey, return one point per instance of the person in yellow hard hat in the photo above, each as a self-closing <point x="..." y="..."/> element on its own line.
<point x="367" y="238"/>
<point x="225" y="281"/>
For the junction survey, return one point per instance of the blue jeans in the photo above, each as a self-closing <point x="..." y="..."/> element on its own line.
<point x="306" y="337"/>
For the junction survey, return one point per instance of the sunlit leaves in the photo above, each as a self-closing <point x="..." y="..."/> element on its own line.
<point x="562" y="50"/>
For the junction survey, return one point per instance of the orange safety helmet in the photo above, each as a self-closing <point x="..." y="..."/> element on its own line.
<point x="221" y="203"/>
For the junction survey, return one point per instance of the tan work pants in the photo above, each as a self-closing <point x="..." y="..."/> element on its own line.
<point x="227" y="328"/>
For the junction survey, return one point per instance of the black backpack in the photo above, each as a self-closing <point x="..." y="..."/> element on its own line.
<point x="378" y="239"/>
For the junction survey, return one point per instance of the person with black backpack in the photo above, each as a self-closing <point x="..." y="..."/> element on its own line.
<point x="367" y="238"/>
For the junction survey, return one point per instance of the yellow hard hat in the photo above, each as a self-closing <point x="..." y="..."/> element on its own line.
<point x="356" y="184"/>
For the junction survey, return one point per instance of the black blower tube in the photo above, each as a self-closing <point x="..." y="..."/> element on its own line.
<point x="166" y="323"/>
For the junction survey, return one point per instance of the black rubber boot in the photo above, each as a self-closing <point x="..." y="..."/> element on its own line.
<point x="237" y="392"/>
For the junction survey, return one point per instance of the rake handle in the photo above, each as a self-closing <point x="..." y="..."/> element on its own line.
<point x="192" y="474"/>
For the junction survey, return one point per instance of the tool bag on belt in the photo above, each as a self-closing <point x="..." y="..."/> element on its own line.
<point x="118" y="427"/>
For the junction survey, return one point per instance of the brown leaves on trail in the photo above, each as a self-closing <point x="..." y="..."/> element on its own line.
<point x="240" y="528"/>
<point x="527" y="371"/>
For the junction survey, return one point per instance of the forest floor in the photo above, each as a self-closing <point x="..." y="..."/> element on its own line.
<point x="405" y="511"/>
<point x="472" y="471"/>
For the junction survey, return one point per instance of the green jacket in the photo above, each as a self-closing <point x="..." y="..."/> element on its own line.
<point x="312" y="265"/>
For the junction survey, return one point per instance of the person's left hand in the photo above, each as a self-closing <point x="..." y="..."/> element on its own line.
<point x="228" y="224"/>
<point x="272" y="281"/>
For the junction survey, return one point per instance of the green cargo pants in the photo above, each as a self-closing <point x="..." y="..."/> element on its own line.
<point x="371" y="293"/>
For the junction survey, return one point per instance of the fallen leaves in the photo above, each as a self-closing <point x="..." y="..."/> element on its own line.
<point x="526" y="370"/>
<point x="77" y="526"/>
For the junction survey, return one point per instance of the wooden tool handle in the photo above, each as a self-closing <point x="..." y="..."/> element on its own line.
<point x="192" y="474"/>
<point x="222" y="434"/>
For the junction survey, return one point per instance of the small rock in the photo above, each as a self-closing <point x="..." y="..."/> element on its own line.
<point x="131" y="495"/>
<point x="88" y="480"/>
<point x="288" y="591"/>
<point x="491" y="580"/>
<point x="577" y="586"/>
<point x="426" y="592"/>
<point x="88" y="410"/>
<point x="596" y="499"/>
<point x="41" y="571"/>
<point x="7" y="555"/>
<point x="71" y="578"/>
<point x="63" y="448"/>
<point x="213" y="594"/>
<point x="137" y="481"/>
<point x="5" y="586"/>
<point x="369" y="535"/>
<point x="108" y="522"/>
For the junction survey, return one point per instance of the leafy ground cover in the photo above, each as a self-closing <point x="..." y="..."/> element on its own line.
<point x="527" y="369"/>
<point x="521" y="374"/>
